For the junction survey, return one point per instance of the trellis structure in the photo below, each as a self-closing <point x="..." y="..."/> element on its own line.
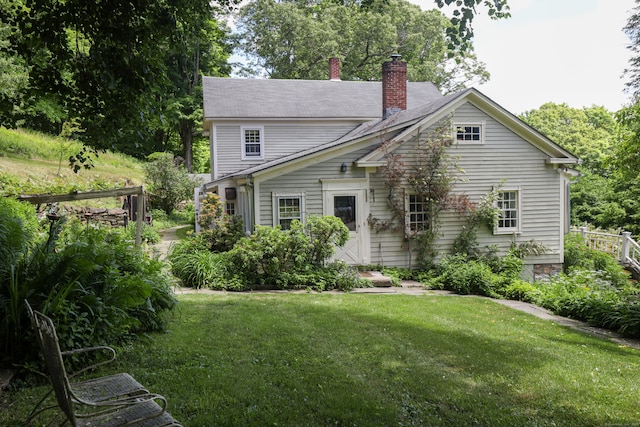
<point x="39" y="199"/>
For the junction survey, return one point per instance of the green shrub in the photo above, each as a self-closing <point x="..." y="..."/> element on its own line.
<point x="271" y="256"/>
<point x="590" y="296"/>
<point x="293" y="258"/>
<point x="220" y="229"/>
<point x="19" y="235"/>
<point x="168" y="182"/>
<point x="149" y="234"/>
<point x="96" y="286"/>
<point x="197" y="267"/>
<point x="159" y="215"/>
<point x="576" y="252"/>
<point x="335" y="275"/>
<point x="269" y="252"/>
<point x="466" y="276"/>
<point x="324" y="234"/>
<point x="521" y="290"/>
<point x="625" y="318"/>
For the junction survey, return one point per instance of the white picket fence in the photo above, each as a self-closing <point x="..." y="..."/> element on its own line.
<point x="622" y="246"/>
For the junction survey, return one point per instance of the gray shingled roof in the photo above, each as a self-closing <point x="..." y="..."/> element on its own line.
<point x="400" y="120"/>
<point x="226" y="98"/>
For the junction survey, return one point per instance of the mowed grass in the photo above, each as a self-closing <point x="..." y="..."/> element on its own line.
<point x="376" y="360"/>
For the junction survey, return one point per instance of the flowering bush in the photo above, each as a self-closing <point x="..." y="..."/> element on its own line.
<point x="220" y="229"/>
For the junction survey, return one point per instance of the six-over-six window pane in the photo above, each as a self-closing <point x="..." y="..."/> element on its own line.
<point x="418" y="213"/>
<point x="252" y="143"/>
<point x="288" y="210"/>
<point x="508" y="205"/>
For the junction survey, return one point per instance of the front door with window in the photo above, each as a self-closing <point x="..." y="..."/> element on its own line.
<point x="349" y="205"/>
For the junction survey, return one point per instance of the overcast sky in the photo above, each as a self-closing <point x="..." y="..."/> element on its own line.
<point x="571" y="51"/>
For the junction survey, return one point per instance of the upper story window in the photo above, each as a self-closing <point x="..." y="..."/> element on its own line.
<point x="252" y="143"/>
<point x="469" y="133"/>
<point x="508" y="203"/>
<point x="418" y="213"/>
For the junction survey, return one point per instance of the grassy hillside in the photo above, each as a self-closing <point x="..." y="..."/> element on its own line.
<point x="32" y="162"/>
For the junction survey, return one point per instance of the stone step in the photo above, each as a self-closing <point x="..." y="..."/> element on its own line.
<point x="378" y="279"/>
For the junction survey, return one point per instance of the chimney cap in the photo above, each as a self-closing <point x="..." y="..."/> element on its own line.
<point x="395" y="56"/>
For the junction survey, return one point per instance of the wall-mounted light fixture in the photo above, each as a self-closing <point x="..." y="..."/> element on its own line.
<point x="230" y="193"/>
<point x="343" y="168"/>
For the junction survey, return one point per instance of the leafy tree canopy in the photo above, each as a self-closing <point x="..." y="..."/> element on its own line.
<point x="14" y="72"/>
<point x="605" y="195"/>
<point x="632" y="29"/>
<point x="461" y="31"/>
<point x="293" y="39"/>
<point x="127" y="71"/>
<point x="587" y="132"/>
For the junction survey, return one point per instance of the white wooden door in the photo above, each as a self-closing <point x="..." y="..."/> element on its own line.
<point x="349" y="205"/>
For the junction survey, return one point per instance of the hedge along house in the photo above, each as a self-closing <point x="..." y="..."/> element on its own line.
<point x="287" y="149"/>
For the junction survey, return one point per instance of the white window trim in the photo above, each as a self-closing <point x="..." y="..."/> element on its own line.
<point x="458" y="125"/>
<point x="275" y="203"/>
<point x="230" y="205"/>
<point x="518" y="228"/>
<point x="407" y="213"/>
<point x="242" y="142"/>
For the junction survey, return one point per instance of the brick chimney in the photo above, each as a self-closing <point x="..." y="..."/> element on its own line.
<point x="394" y="86"/>
<point x="334" y="68"/>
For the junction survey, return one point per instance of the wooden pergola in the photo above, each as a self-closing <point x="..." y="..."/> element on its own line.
<point x="39" y="199"/>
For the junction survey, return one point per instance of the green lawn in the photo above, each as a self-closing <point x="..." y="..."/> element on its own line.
<point x="376" y="360"/>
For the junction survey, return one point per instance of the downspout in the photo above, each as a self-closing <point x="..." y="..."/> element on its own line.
<point x="253" y="204"/>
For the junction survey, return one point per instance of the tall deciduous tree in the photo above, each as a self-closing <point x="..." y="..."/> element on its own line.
<point x="606" y="193"/>
<point x="632" y="29"/>
<point x="127" y="70"/>
<point x="588" y="132"/>
<point x="461" y="30"/>
<point x="14" y="72"/>
<point x="199" y="47"/>
<point x="294" y="39"/>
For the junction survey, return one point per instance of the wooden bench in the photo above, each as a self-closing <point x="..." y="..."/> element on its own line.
<point x="108" y="401"/>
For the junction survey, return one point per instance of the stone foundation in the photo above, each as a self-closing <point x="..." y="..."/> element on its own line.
<point x="545" y="271"/>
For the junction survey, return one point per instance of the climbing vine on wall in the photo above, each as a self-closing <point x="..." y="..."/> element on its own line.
<point x="484" y="213"/>
<point x="428" y="172"/>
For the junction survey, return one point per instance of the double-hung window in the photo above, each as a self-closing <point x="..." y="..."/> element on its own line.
<point x="252" y="143"/>
<point x="287" y="208"/>
<point x="418" y="213"/>
<point x="508" y="204"/>
<point x="469" y="133"/>
<point x="230" y="208"/>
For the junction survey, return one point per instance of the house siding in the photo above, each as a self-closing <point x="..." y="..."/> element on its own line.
<point x="280" y="139"/>
<point x="308" y="180"/>
<point x="503" y="156"/>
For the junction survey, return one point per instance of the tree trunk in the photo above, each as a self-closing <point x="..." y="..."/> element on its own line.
<point x="186" y="137"/>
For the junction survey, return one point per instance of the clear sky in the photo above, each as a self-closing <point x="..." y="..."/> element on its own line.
<point x="562" y="51"/>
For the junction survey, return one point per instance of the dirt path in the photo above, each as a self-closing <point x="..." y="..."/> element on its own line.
<point x="167" y="238"/>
